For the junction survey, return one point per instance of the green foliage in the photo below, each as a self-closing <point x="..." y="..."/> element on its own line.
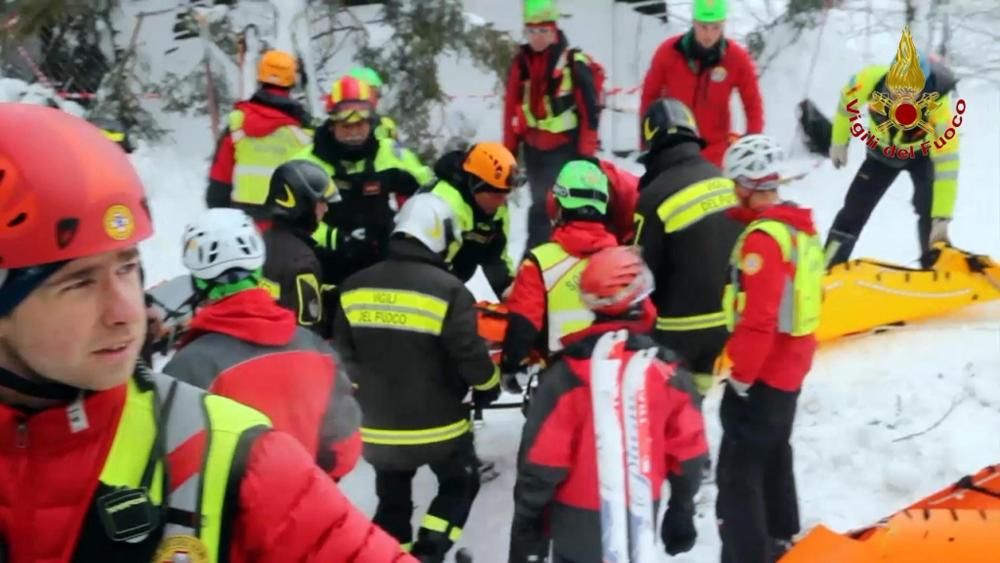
<point x="422" y="31"/>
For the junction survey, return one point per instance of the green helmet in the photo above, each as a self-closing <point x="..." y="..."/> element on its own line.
<point x="581" y="184"/>
<point x="709" y="11"/>
<point x="540" y="11"/>
<point x="367" y="74"/>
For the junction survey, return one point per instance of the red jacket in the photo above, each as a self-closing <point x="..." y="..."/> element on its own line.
<point x="557" y="465"/>
<point x="624" y="194"/>
<point x="268" y="110"/>
<point x="539" y="69"/>
<point x="288" y="510"/>
<point x="250" y="349"/>
<point x="758" y="351"/>
<point x="706" y="93"/>
<point x="527" y="300"/>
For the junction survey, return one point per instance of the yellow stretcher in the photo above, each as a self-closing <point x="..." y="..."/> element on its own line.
<point x="960" y="523"/>
<point x="865" y="294"/>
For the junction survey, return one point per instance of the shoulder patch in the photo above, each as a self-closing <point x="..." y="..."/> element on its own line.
<point x="751" y="264"/>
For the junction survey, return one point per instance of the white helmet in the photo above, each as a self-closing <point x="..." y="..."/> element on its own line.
<point x="220" y="240"/>
<point x="753" y="161"/>
<point x="429" y="219"/>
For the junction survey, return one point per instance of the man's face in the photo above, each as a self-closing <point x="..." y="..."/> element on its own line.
<point x="489" y="202"/>
<point x="708" y="34"/>
<point x="321" y="208"/>
<point x="351" y="133"/>
<point x="83" y="327"/>
<point x="540" y="36"/>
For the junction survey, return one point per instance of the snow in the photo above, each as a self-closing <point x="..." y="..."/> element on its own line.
<point x="865" y="397"/>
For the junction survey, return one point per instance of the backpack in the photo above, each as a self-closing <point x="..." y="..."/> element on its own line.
<point x="596" y="70"/>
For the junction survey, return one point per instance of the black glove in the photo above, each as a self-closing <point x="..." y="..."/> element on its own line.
<point x="482" y="399"/>
<point x="678" y="531"/>
<point x="527" y="544"/>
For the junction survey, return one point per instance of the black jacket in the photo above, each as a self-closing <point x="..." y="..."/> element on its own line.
<point x="485" y="244"/>
<point x="294" y="275"/>
<point x="407" y="328"/>
<point x="691" y="264"/>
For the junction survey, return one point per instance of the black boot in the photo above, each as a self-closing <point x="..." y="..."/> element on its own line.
<point x="431" y="547"/>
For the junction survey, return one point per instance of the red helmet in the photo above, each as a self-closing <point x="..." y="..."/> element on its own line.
<point x="614" y="280"/>
<point x="66" y="191"/>
<point x="350" y="100"/>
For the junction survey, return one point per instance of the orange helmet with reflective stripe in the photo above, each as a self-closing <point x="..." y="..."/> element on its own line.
<point x="494" y="165"/>
<point x="351" y="100"/>
<point x="277" y="68"/>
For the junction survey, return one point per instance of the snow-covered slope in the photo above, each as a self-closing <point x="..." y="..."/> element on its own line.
<point x="863" y="395"/>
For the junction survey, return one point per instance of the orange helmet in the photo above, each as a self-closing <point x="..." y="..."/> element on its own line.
<point x="614" y="280"/>
<point x="494" y="165"/>
<point x="351" y="100"/>
<point x="277" y="68"/>
<point x="91" y="202"/>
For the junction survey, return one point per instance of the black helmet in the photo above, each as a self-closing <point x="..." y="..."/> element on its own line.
<point x="296" y="186"/>
<point x="667" y="122"/>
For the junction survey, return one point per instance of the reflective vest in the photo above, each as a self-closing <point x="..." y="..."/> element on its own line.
<point x="802" y="296"/>
<point x="560" y="108"/>
<point x="471" y="231"/>
<point x="678" y="212"/>
<point x="386" y="129"/>
<point x="564" y="308"/>
<point x="257" y="157"/>
<point x="166" y="415"/>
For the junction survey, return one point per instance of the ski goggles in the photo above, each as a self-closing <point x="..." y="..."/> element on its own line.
<point x="351" y="113"/>
<point x="763" y="184"/>
<point x="588" y="194"/>
<point x="515" y="179"/>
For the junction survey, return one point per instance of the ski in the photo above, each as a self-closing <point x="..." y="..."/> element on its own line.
<point x="605" y="394"/>
<point x="638" y="439"/>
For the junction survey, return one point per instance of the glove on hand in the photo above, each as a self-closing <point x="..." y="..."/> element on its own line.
<point x="838" y="154"/>
<point x="678" y="532"/>
<point x="527" y="544"/>
<point x="482" y="399"/>
<point x="939" y="230"/>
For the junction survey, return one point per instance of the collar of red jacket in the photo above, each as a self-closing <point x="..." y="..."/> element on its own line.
<point x="583" y="238"/>
<point x="49" y="429"/>
<point x="642" y="324"/>
<point x="252" y="316"/>
<point x="267" y="111"/>
<point x="787" y="212"/>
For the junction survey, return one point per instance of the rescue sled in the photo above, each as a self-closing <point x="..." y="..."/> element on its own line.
<point x="958" y="523"/>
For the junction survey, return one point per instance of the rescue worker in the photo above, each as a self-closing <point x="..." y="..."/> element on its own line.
<point x="623" y="193"/>
<point x="118" y="463"/>
<point x="367" y="172"/>
<point x="407" y="327"/>
<point x="545" y="303"/>
<point x="261" y="133"/>
<point x="933" y="167"/>
<point x="556" y="497"/>
<point x="476" y="183"/>
<point x="241" y="344"/>
<point x="298" y="197"/>
<point x="386" y="128"/>
<point x="772" y="308"/>
<point x="702" y="68"/>
<point x="685" y="237"/>
<point x="114" y="130"/>
<point x="551" y="108"/>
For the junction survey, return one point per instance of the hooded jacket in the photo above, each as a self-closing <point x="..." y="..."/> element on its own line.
<point x="758" y="351"/>
<point x="527" y="302"/>
<point x="268" y="110"/>
<point x="248" y="348"/>
<point x="704" y="80"/>
<point x="557" y="484"/>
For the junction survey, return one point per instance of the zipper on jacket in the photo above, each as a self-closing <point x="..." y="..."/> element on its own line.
<point x="21" y="438"/>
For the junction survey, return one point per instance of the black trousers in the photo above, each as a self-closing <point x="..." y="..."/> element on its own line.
<point x="458" y="485"/>
<point x="869" y="185"/>
<point x="542" y="168"/>
<point x="699" y="349"/>
<point x="757" y="500"/>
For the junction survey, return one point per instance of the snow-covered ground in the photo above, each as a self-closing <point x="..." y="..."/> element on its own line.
<point x="863" y="393"/>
